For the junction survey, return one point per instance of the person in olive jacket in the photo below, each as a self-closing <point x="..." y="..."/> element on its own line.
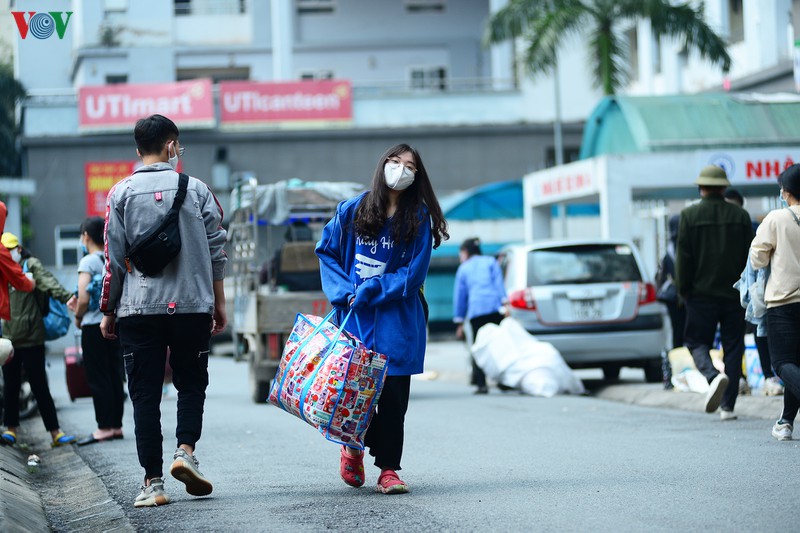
<point x="713" y="242"/>
<point x="26" y="332"/>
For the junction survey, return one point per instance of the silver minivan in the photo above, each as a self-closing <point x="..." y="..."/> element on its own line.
<point x="591" y="299"/>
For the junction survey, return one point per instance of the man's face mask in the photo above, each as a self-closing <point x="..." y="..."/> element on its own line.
<point x="15" y="255"/>
<point x="173" y="159"/>
<point x="782" y="200"/>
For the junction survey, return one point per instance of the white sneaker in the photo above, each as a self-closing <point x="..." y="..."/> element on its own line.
<point x="724" y="415"/>
<point x="715" y="390"/>
<point x="773" y="387"/>
<point x="782" y="431"/>
<point x="152" y="495"/>
<point x="185" y="468"/>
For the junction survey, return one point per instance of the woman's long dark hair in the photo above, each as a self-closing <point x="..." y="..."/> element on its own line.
<point x="370" y="215"/>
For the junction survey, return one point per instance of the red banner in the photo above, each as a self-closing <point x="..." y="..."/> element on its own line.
<point x="101" y="176"/>
<point x="244" y="102"/>
<point x="116" y="107"/>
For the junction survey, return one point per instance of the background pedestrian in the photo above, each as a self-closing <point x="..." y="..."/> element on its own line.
<point x="478" y="297"/>
<point x="777" y="245"/>
<point x="102" y="357"/>
<point x="25" y="330"/>
<point x="713" y="241"/>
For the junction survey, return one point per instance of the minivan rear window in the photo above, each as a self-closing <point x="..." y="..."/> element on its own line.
<point x="582" y="264"/>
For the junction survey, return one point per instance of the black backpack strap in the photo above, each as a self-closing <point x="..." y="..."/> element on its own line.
<point x="183" y="183"/>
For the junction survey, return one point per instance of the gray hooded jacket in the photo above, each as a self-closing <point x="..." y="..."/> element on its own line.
<point x="136" y="204"/>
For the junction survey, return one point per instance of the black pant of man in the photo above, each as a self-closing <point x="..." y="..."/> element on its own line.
<point x="702" y="317"/>
<point x="145" y="340"/>
<point x="476" y="323"/>
<point x="102" y="359"/>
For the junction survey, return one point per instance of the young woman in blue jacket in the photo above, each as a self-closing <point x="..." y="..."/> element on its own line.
<point x="374" y="256"/>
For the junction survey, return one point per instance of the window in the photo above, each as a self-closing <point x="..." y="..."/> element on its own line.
<point x="425" y="6"/>
<point x="735" y="21"/>
<point x="591" y="263"/>
<point x="316" y="75"/>
<point x="657" y="55"/>
<point x="216" y="74"/>
<point x="315" y="6"/>
<point x="571" y="153"/>
<point x="428" y="78"/>
<point x="114" y="79"/>
<point x="115" y="5"/>
<point x="633" y="53"/>
<point x="210" y="7"/>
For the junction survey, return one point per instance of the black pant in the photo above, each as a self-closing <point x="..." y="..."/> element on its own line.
<point x="783" y="330"/>
<point x="384" y="436"/>
<point x="102" y="359"/>
<point x="32" y="359"/>
<point x="762" y="345"/>
<point x="702" y="317"/>
<point x="145" y="340"/>
<point x="476" y="323"/>
<point x="677" y="318"/>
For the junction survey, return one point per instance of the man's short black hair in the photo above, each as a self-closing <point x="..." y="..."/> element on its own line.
<point x="153" y="132"/>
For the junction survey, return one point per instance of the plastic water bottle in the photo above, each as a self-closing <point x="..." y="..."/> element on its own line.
<point x="33" y="463"/>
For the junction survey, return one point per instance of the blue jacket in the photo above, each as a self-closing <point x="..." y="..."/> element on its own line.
<point x="389" y="307"/>
<point x="751" y="295"/>
<point x="478" y="289"/>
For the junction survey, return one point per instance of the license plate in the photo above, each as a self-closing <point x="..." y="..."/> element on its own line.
<point x="586" y="310"/>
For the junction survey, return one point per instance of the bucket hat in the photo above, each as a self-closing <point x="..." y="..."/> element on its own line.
<point x="712" y="176"/>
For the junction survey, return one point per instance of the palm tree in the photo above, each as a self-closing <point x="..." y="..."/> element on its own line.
<point x="545" y="24"/>
<point x="11" y="91"/>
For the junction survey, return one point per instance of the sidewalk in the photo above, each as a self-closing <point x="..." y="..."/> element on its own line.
<point x="447" y="360"/>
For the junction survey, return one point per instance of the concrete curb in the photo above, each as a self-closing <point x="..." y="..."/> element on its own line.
<point x="20" y="506"/>
<point x="654" y="395"/>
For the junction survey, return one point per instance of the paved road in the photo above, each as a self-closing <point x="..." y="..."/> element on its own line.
<point x="502" y="462"/>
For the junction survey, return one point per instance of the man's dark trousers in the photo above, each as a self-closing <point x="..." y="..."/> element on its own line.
<point x="702" y="316"/>
<point x="145" y="340"/>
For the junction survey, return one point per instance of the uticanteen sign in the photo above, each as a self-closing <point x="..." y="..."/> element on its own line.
<point x="249" y="103"/>
<point x="115" y="107"/>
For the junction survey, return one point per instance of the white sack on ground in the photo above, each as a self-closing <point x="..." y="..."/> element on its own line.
<point x="513" y="357"/>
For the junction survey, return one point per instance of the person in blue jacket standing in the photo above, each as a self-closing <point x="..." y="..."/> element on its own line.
<point x="478" y="296"/>
<point x="374" y="256"/>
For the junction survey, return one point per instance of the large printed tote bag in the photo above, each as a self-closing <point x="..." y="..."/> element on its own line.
<point x="329" y="379"/>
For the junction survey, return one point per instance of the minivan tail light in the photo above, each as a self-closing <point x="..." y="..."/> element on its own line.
<point x="522" y="299"/>
<point x="647" y="293"/>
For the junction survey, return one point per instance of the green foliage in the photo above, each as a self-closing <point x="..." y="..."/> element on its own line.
<point x="11" y="91"/>
<point x="545" y="24"/>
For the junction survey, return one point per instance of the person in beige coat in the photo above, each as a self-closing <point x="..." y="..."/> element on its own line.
<point x="777" y="244"/>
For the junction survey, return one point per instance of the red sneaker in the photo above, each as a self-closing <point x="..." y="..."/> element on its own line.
<point x="390" y="483"/>
<point x="351" y="468"/>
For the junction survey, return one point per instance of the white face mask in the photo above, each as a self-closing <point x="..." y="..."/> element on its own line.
<point x="397" y="176"/>
<point x="173" y="161"/>
<point x="15" y="255"/>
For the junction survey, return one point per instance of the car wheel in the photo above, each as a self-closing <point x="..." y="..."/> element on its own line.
<point x="611" y="372"/>
<point x="652" y="371"/>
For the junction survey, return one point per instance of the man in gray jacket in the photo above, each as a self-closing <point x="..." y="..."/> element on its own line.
<point x="177" y="309"/>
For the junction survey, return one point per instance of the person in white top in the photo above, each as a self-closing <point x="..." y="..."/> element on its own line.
<point x="777" y="245"/>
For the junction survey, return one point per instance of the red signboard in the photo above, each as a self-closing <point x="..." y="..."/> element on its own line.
<point x="115" y="107"/>
<point x="101" y="176"/>
<point x="244" y="102"/>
